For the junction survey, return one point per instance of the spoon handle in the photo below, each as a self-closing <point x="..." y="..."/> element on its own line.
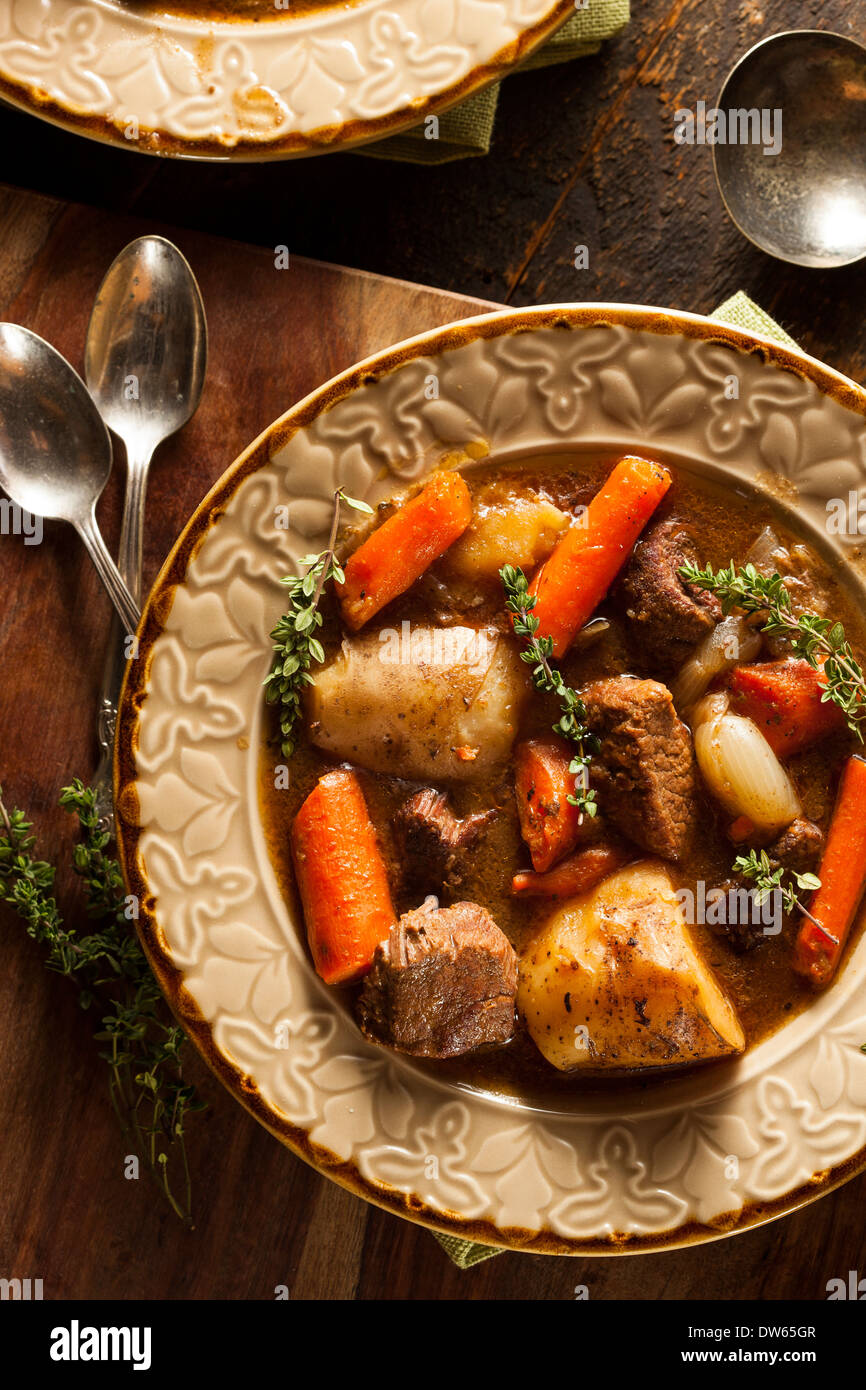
<point x="126" y="606"/>
<point x="129" y="565"/>
<point x="132" y="526"/>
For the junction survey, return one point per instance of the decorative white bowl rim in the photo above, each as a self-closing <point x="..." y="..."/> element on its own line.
<point x="694" y="1158"/>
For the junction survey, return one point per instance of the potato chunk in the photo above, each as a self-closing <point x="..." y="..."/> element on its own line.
<point x="428" y="704"/>
<point x="506" y="530"/>
<point x="614" y="982"/>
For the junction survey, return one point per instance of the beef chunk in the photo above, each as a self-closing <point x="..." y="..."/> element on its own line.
<point x="799" y="848"/>
<point x="671" y="616"/>
<point x="739" y="918"/>
<point x="430" y="839"/>
<point x="443" y="983"/>
<point x="645" y="769"/>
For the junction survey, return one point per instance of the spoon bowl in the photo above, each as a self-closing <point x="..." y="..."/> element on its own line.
<point x="146" y="349"/>
<point x="55" y="452"/>
<point x="807" y="203"/>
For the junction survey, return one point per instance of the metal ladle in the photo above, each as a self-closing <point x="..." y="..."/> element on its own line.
<point x="806" y="204"/>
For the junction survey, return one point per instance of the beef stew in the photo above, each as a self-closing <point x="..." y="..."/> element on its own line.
<point x="433" y="709"/>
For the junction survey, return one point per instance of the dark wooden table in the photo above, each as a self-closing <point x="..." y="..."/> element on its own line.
<point x="582" y="154"/>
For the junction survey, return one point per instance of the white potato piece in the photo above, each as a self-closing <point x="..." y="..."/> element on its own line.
<point x="506" y="530"/>
<point x="427" y="704"/>
<point x="615" y="982"/>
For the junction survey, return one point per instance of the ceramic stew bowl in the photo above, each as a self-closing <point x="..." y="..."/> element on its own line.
<point x="694" y="1158"/>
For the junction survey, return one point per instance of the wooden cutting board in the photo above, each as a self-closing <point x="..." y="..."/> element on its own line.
<point x="67" y="1214"/>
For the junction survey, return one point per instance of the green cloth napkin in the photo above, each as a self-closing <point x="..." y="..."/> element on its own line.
<point x="466" y="129"/>
<point x="741" y="312"/>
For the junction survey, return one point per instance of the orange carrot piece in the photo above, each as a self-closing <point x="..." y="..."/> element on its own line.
<point x="741" y="829"/>
<point x="403" y="547"/>
<point x="571" y="584"/>
<point x="784" y="699"/>
<point x="818" y="949"/>
<point x="575" y="875"/>
<point x="341" y="878"/>
<point x="549" y="823"/>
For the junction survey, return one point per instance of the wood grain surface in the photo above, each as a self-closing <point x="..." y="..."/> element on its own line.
<point x="582" y="155"/>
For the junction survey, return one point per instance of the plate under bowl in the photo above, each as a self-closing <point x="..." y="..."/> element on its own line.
<point x="291" y="84"/>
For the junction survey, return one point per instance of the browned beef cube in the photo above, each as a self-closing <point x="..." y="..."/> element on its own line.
<point x="670" y="617"/>
<point x="443" y="983"/>
<point x="432" y="841"/>
<point x="799" y="848"/>
<point x="645" y="770"/>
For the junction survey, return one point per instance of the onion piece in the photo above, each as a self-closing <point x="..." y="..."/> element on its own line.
<point x="742" y="771"/>
<point x="595" y="628"/>
<point x="731" y="641"/>
<point x="711" y="708"/>
<point x="765" y="552"/>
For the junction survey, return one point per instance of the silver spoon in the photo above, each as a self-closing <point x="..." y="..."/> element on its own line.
<point x="55" y="452"/>
<point x="806" y="204"/>
<point x="145" y="362"/>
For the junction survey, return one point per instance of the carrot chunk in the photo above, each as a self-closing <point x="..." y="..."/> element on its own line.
<point x="403" y="547"/>
<point x="571" y="584"/>
<point x="341" y="878"/>
<point x="577" y="874"/>
<point x="549" y="823"/>
<point x="818" y="948"/>
<point x="784" y="699"/>
<point x="741" y="829"/>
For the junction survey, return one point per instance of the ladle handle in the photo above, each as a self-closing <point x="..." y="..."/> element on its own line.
<point x="127" y="608"/>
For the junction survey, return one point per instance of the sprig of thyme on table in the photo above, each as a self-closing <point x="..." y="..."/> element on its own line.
<point x="537" y="653"/>
<point x="141" y="1041"/>
<point x="758" y="868"/>
<point x="296" y="646"/>
<point x="810" y="637"/>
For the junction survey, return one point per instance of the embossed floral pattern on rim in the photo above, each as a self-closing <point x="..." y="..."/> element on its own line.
<point x="231" y="89"/>
<point x="606" y="1177"/>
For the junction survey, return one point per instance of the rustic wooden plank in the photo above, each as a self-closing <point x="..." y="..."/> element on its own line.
<point x="69" y="1215"/>
<point x="29" y="220"/>
<point x="581" y="154"/>
<point x="649" y="210"/>
<point x="330" y="1263"/>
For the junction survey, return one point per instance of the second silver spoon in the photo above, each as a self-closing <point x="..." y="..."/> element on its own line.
<point x="144" y="362"/>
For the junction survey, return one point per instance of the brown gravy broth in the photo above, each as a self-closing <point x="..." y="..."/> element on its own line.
<point x="725" y="524"/>
<point x="224" y="11"/>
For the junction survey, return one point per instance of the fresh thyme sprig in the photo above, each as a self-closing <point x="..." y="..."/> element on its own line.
<point x="142" y="1043"/>
<point x="758" y="868"/>
<point x="296" y="646"/>
<point x="810" y="637"/>
<point x="537" y="653"/>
